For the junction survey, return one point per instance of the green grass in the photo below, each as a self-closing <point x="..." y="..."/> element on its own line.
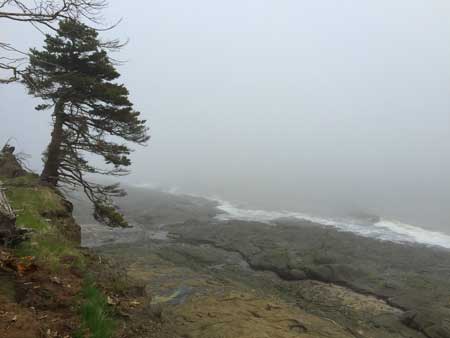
<point x="29" y="179"/>
<point x="96" y="318"/>
<point x="50" y="248"/>
<point x="33" y="205"/>
<point x="31" y="202"/>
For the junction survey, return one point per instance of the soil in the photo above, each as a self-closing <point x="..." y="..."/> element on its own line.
<point x="36" y="302"/>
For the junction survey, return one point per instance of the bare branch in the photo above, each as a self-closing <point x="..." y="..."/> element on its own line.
<point x="44" y="15"/>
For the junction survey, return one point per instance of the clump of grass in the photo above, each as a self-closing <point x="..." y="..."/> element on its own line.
<point x="50" y="248"/>
<point x="31" y="202"/>
<point x="96" y="318"/>
<point x="27" y="180"/>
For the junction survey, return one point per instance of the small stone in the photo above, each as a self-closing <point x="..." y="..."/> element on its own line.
<point x="270" y="307"/>
<point x="111" y="301"/>
<point x="56" y="280"/>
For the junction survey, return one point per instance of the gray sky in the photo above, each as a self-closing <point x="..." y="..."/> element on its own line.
<point x="319" y="106"/>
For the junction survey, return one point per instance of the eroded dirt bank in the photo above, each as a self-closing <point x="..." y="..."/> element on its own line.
<point x="49" y="286"/>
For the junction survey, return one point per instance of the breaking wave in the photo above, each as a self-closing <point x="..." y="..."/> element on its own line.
<point x="379" y="228"/>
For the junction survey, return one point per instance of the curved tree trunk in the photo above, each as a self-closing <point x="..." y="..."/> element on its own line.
<point x="49" y="174"/>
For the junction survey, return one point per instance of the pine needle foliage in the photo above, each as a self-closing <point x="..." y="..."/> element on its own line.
<point x="93" y="117"/>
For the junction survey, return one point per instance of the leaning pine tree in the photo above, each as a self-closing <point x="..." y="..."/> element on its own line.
<point x="74" y="76"/>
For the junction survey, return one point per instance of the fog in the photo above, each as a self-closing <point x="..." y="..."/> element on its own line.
<point x="326" y="107"/>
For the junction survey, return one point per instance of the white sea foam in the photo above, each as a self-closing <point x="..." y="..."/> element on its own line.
<point x="387" y="230"/>
<point x="384" y="229"/>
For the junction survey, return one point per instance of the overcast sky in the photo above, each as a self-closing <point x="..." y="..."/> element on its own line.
<point x="319" y="106"/>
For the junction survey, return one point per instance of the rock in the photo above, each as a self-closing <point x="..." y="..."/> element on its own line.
<point x="56" y="280"/>
<point x="412" y="278"/>
<point x="297" y="327"/>
<point x="272" y="306"/>
<point x="321" y="273"/>
<point x="111" y="301"/>
<point x="298" y="274"/>
<point x="439" y="331"/>
<point x="248" y="316"/>
<point x="408" y="318"/>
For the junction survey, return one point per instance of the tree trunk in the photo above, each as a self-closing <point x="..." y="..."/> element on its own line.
<point x="50" y="173"/>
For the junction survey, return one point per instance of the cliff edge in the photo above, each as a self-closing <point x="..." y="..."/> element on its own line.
<point x="49" y="285"/>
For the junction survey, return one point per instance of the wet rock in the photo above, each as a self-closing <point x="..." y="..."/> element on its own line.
<point x="296" y="274"/>
<point x="334" y="273"/>
<point x="439" y="331"/>
<point x="411" y="277"/>
<point x="408" y="318"/>
<point x="321" y="273"/>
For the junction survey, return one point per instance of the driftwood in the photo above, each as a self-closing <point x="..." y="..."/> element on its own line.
<point x="5" y="207"/>
<point x="8" y="230"/>
<point x="10" y="167"/>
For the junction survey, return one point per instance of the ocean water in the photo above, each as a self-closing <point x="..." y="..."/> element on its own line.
<point x="378" y="227"/>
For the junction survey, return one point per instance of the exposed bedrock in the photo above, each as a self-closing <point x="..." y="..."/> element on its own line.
<point x="415" y="279"/>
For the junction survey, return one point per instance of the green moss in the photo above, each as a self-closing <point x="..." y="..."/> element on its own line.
<point x="96" y="318"/>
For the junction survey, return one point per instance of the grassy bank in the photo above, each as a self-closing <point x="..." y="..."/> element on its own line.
<point x="53" y="264"/>
<point x="43" y="210"/>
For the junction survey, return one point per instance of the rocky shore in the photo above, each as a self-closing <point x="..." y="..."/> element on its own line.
<point x="290" y="279"/>
<point x="179" y="272"/>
